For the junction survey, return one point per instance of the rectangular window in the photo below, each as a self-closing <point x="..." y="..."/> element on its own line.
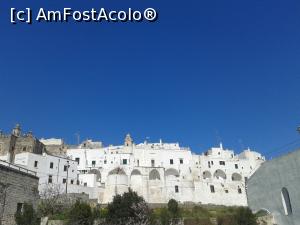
<point x="176" y="189"/>
<point x="124" y="161"/>
<point x="222" y="163"/>
<point x="105" y="161"/>
<point x="171" y="161"/>
<point x="236" y="166"/>
<point x="181" y="161"/>
<point x="212" y="162"/>
<point x="50" y="179"/>
<point x="212" y="188"/>
<point x="35" y="164"/>
<point x="226" y="191"/>
<point x="152" y="163"/>
<point x="85" y="184"/>
<point x="64" y="180"/>
<point x="239" y="190"/>
<point x="77" y="160"/>
<point x="51" y="165"/>
<point x="138" y="162"/>
<point x="72" y="181"/>
<point x="65" y="168"/>
<point x="93" y="163"/>
<point x="208" y="164"/>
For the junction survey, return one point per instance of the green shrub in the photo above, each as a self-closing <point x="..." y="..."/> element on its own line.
<point x="244" y="216"/>
<point x="26" y="216"/>
<point x="80" y="214"/>
<point x="128" y="206"/>
<point x="173" y="208"/>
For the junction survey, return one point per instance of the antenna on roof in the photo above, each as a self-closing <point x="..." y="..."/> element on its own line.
<point x="78" y="137"/>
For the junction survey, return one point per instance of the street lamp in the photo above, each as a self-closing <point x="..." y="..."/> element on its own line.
<point x="68" y="166"/>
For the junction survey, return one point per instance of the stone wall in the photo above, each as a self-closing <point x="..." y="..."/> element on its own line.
<point x="265" y="188"/>
<point x="16" y="188"/>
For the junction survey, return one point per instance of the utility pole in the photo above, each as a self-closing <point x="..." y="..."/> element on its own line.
<point x="68" y="166"/>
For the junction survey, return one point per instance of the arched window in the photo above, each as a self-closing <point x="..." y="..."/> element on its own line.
<point x="286" y="201"/>
<point x="154" y="175"/>
<point x="236" y="177"/>
<point x="220" y="174"/>
<point x="206" y="175"/>
<point x="135" y="172"/>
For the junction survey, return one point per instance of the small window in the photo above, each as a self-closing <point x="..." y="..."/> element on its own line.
<point x="239" y="190"/>
<point x="171" y="162"/>
<point x="35" y="164"/>
<point x="65" y="168"/>
<point x="226" y="191"/>
<point x="138" y="162"/>
<point x="222" y="163"/>
<point x="208" y="164"/>
<point x="50" y="179"/>
<point x="124" y="162"/>
<point x="24" y="149"/>
<point x="51" y="165"/>
<point x="77" y="160"/>
<point x="212" y="188"/>
<point x="181" y="161"/>
<point x="93" y="163"/>
<point x="212" y="162"/>
<point x="64" y="180"/>
<point x="176" y="189"/>
<point x="85" y="184"/>
<point x="72" y="181"/>
<point x="152" y="163"/>
<point x="236" y="166"/>
<point x="105" y="161"/>
<point x="286" y="202"/>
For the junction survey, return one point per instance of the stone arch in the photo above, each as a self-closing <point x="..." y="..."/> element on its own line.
<point x="236" y="177"/>
<point x="154" y="175"/>
<point x="97" y="172"/>
<point x="135" y="172"/>
<point x="206" y="174"/>
<point x="286" y="201"/>
<point x="117" y="171"/>
<point x="171" y="172"/>
<point x="220" y="174"/>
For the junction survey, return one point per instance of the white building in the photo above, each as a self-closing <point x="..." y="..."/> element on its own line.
<point x="51" y="170"/>
<point x="161" y="171"/>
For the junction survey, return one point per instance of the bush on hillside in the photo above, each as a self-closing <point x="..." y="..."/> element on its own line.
<point x="80" y="214"/>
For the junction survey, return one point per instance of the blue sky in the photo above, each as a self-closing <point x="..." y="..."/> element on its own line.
<point x="205" y="71"/>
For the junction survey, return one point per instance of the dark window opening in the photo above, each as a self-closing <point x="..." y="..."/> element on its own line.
<point x="50" y="179"/>
<point x="77" y="160"/>
<point x="35" y="164"/>
<point x="171" y="162"/>
<point x="51" y="165"/>
<point x="176" y="189"/>
<point x="212" y="188"/>
<point x="181" y="161"/>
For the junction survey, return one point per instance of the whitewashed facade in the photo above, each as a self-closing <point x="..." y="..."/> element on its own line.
<point x="51" y="170"/>
<point x="161" y="171"/>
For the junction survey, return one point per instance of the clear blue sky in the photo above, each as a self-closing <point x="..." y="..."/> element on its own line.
<point x="205" y="71"/>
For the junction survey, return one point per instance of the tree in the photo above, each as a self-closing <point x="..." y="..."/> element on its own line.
<point x="173" y="208"/>
<point x="128" y="209"/>
<point x="51" y="200"/>
<point x="80" y="214"/>
<point x="244" y="216"/>
<point x="26" y="216"/>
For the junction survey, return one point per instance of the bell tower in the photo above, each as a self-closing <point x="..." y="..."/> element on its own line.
<point x="17" y="130"/>
<point x="128" y="141"/>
